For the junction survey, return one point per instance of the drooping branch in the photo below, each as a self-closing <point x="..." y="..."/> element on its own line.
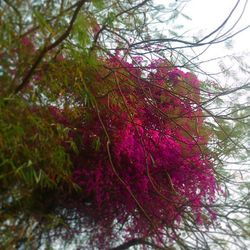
<point x="104" y="27"/>
<point x="201" y="42"/>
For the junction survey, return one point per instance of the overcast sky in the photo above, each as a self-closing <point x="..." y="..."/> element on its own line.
<point x="207" y="15"/>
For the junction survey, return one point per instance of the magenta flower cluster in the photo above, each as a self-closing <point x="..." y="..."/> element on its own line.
<point x="143" y="160"/>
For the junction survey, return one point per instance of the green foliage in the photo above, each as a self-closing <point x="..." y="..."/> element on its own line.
<point x="35" y="166"/>
<point x="30" y="146"/>
<point x="99" y="4"/>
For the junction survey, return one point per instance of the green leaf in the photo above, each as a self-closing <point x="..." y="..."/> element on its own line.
<point x="81" y="31"/>
<point x="110" y="19"/>
<point x="173" y="33"/>
<point x="96" y="143"/>
<point x="43" y="23"/>
<point x="37" y="177"/>
<point x="99" y="4"/>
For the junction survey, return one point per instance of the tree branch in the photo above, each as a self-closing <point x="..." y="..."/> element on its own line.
<point x="138" y="241"/>
<point x="50" y="47"/>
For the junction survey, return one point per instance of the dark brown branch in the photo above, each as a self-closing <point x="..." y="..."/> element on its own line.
<point x="223" y="23"/>
<point x="33" y="29"/>
<point x="201" y="42"/>
<point x="187" y="44"/>
<point x="50" y="47"/>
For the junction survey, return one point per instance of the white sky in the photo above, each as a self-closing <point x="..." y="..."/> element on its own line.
<point x="209" y="14"/>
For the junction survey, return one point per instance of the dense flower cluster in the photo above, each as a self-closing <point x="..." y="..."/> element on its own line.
<point x="143" y="159"/>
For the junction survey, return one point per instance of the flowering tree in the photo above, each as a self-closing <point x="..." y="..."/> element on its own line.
<point x="108" y="140"/>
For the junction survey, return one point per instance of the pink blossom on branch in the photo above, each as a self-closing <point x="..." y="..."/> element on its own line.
<point x="158" y="166"/>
